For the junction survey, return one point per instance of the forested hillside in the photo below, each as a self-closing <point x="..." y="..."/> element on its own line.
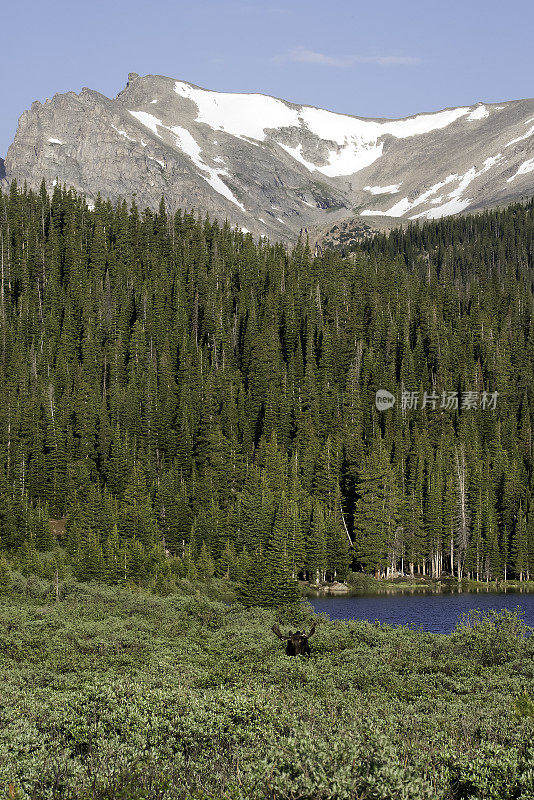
<point x="191" y="402"/>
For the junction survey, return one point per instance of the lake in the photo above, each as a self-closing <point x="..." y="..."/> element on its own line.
<point x="437" y="613"/>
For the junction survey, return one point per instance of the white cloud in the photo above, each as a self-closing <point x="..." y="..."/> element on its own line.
<point x="302" y="55"/>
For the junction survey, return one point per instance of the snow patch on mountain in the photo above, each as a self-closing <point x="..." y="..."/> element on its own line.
<point x="296" y="153"/>
<point x="124" y="134"/>
<point x="242" y="115"/>
<point x="480" y="112"/>
<point x="149" y="121"/>
<point x="526" y="135"/>
<point x="56" y="141"/>
<point x="453" y="205"/>
<point x="393" y="189"/>
<point x="251" y="115"/>
<point x="456" y="202"/>
<point x="405" y="205"/>
<point x="188" y="145"/>
<point x="352" y="158"/>
<point x="339" y="128"/>
<point x="526" y="166"/>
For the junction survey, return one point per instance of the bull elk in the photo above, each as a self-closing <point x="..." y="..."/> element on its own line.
<point x="297" y="643"/>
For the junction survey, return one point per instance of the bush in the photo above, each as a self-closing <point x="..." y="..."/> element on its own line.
<point x="490" y="637"/>
<point x="492" y="772"/>
<point x="359" y="581"/>
<point x="346" y="765"/>
<point x="524" y="705"/>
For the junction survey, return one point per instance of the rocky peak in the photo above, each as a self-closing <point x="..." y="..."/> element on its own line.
<point x="271" y="166"/>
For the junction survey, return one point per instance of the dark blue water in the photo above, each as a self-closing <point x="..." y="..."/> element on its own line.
<point x="438" y="613"/>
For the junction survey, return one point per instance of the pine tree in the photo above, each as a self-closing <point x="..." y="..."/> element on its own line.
<point x="251" y="585"/>
<point x="279" y="587"/>
<point x="228" y="564"/>
<point x="493" y="556"/>
<point x="519" y="545"/>
<point x="189" y="566"/>
<point x="337" y="547"/>
<point x="376" y="512"/>
<point x="135" y="557"/>
<point x="89" y="564"/>
<point x="204" y="564"/>
<point x="114" y="558"/>
<point x="475" y="548"/>
<point x="136" y="518"/>
<point x="316" y="558"/>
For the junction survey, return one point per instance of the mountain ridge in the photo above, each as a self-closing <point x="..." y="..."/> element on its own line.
<point x="271" y="166"/>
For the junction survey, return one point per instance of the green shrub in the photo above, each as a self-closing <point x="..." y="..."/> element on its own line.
<point x="524" y="705"/>
<point x="346" y="765"/>
<point x="490" y="637"/>
<point x="492" y="772"/>
<point x="359" y="581"/>
<point x="114" y="694"/>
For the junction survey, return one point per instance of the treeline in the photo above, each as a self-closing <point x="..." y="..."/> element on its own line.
<point x="491" y="245"/>
<point x="192" y="402"/>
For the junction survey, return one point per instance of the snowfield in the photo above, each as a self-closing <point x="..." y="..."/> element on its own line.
<point x="526" y="135"/>
<point x="480" y="112"/>
<point x="393" y="189"/>
<point x="355" y="143"/>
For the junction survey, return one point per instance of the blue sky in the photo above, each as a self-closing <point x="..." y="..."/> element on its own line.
<point x="376" y="59"/>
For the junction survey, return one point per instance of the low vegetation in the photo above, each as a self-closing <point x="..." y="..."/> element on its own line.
<point x="111" y="694"/>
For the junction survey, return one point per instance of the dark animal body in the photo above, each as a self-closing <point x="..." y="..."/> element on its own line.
<point x="297" y="643"/>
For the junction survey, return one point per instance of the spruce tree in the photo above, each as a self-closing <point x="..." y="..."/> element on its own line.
<point x="204" y="564"/>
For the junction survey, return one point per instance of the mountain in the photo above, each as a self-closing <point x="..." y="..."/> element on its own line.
<point x="271" y="166"/>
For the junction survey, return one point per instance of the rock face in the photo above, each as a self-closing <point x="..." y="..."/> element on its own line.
<point x="270" y="166"/>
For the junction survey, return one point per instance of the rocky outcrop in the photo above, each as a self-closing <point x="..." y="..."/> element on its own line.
<point x="273" y="167"/>
<point x="339" y="588"/>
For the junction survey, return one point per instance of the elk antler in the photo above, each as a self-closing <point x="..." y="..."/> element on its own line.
<point x="275" y="629"/>
<point x="312" y="630"/>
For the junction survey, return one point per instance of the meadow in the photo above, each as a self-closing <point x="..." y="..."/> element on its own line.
<point x="114" y="694"/>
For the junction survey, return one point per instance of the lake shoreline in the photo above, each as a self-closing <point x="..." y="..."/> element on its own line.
<point x="368" y="585"/>
<point x="431" y="611"/>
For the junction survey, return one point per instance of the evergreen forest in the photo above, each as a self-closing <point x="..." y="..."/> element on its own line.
<point x="180" y="401"/>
